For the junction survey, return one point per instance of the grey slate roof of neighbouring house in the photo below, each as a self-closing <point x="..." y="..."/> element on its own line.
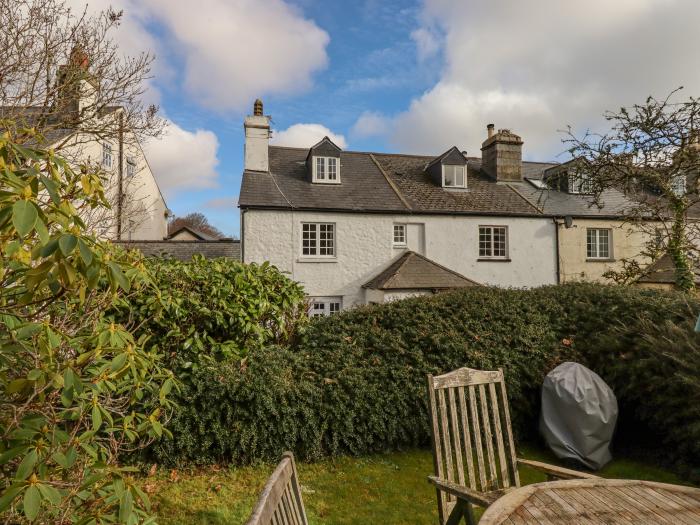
<point x="662" y="271"/>
<point x="413" y="271"/>
<point x="199" y="234"/>
<point x="184" y="250"/>
<point x="398" y="183"/>
<point x="559" y="203"/>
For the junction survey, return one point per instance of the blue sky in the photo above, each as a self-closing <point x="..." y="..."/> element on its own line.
<point x="372" y="66"/>
<point x="403" y="76"/>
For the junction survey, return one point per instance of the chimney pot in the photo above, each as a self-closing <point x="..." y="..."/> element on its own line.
<point x="489" y="129"/>
<point x="258" y="108"/>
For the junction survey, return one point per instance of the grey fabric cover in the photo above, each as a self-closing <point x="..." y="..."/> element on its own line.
<point x="579" y="412"/>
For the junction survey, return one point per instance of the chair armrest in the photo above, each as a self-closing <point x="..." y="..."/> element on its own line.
<point x="483" y="499"/>
<point x="557" y="472"/>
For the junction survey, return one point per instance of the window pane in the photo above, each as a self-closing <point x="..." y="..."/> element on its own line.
<point x="308" y="239"/>
<point x="592" y="243"/>
<point x="484" y="242"/>
<point x="603" y="244"/>
<point x="326" y="244"/>
<point x="320" y="168"/>
<point x="459" y="178"/>
<point x="332" y="168"/>
<point x="399" y="234"/>
<point x="499" y="242"/>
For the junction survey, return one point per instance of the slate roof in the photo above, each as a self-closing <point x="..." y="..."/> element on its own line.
<point x="200" y="235"/>
<point x="662" y="271"/>
<point x="381" y="182"/>
<point x="413" y="271"/>
<point x="483" y="195"/>
<point x="375" y="182"/>
<point x="184" y="250"/>
<point x="362" y="188"/>
<point x="559" y="203"/>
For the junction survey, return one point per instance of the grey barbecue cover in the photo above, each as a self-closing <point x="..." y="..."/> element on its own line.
<point x="579" y="412"/>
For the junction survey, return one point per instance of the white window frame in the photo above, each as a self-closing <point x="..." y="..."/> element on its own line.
<point x="492" y="242"/>
<point x="464" y="176"/>
<point x="325" y="306"/>
<point x="400" y="240"/>
<point x="130" y="166"/>
<point x="596" y="255"/>
<point x="107" y="156"/>
<point x="580" y="184"/>
<point x="317" y="240"/>
<point x="323" y="176"/>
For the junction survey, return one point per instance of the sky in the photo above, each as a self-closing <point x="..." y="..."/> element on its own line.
<point x="391" y="76"/>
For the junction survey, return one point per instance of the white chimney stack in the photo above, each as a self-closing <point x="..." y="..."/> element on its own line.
<point x="257" y="139"/>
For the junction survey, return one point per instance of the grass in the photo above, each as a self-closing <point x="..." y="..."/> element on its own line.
<point x="385" y="488"/>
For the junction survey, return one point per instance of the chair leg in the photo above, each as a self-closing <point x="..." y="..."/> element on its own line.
<point x="459" y="511"/>
<point x="469" y="514"/>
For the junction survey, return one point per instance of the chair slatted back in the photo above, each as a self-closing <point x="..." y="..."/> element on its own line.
<point x="471" y="431"/>
<point x="280" y="502"/>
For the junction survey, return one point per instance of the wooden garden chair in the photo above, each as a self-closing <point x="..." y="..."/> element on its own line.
<point x="473" y="452"/>
<point x="280" y="502"/>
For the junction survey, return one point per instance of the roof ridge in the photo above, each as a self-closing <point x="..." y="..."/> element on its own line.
<point x="515" y="190"/>
<point x="391" y="183"/>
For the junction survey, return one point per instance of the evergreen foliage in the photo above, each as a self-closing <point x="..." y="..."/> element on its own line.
<point x="354" y="383"/>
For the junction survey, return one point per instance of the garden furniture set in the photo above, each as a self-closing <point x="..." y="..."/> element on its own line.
<point x="476" y="464"/>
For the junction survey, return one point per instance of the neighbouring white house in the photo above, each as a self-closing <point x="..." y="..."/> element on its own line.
<point x="357" y="227"/>
<point x="138" y="211"/>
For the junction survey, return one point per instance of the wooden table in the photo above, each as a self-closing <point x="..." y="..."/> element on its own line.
<point x="596" y="502"/>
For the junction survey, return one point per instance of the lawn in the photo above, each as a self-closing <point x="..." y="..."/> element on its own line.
<point x="386" y="488"/>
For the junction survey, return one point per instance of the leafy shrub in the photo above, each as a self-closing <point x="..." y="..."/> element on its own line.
<point x="76" y="389"/>
<point x="354" y="383"/>
<point x="216" y="309"/>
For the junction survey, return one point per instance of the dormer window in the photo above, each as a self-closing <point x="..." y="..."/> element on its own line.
<point x="580" y="183"/>
<point x="323" y="162"/>
<point x="453" y="176"/>
<point x="326" y="170"/>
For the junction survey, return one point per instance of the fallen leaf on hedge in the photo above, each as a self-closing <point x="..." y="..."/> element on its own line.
<point x="329" y="381"/>
<point x="566" y="342"/>
<point x="173" y="475"/>
<point x="149" y="488"/>
<point x="152" y="471"/>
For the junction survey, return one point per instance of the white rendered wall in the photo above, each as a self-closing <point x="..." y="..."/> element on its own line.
<point x="144" y="207"/>
<point x="364" y="248"/>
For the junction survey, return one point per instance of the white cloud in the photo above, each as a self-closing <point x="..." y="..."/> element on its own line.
<point x="427" y="43"/>
<point x="370" y="124"/>
<point x="225" y="52"/>
<point x="184" y="159"/>
<point x="306" y="135"/>
<point x="222" y="203"/>
<point x="535" y="67"/>
<point x="235" y="51"/>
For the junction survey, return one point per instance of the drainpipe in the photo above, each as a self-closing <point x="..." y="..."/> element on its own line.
<point x="120" y="171"/>
<point x="242" y="235"/>
<point x="557" y="224"/>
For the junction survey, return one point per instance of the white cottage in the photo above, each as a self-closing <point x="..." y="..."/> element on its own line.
<point x="358" y="227"/>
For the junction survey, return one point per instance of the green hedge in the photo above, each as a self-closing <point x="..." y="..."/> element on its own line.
<point x="355" y="383"/>
<point x="215" y="309"/>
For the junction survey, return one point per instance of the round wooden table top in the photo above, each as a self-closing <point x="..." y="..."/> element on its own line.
<point x="596" y="502"/>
